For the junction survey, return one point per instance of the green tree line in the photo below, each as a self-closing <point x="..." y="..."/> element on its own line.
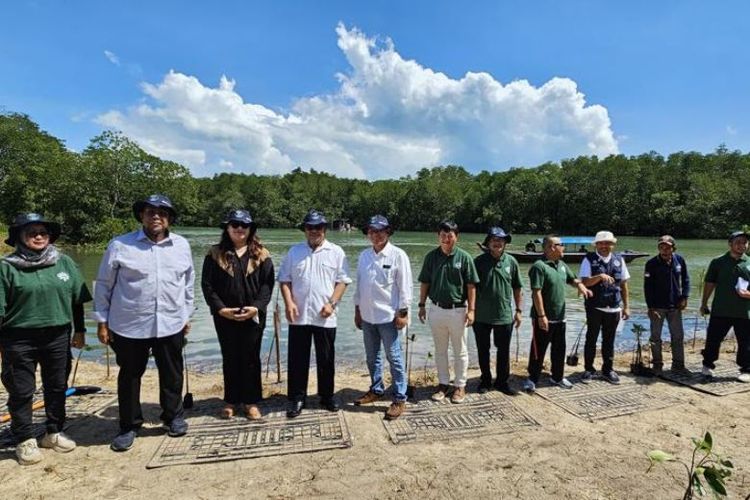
<point x="687" y="194"/>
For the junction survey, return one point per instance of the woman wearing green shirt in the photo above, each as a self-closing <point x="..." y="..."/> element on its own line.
<point x="41" y="294"/>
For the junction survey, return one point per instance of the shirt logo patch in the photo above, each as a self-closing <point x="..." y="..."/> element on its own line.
<point x="63" y="276"/>
<point x="507" y="269"/>
<point x="457" y="265"/>
<point x="562" y="268"/>
<point x="617" y="263"/>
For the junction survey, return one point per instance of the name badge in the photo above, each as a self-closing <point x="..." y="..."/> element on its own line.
<point x="386" y="266"/>
<point x="678" y="268"/>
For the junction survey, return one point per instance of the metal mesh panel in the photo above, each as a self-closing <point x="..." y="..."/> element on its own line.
<point x="723" y="383"/>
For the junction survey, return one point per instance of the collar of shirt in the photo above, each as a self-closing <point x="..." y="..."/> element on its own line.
<point x="326" y="245"/>
<point x="142" y="236"/>
<point x="385" y="252"/>
<point x="603" y="258"/>
<point x="453" y="251"/>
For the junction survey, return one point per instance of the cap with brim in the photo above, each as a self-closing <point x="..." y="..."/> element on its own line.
<point x="603" y="236"/>
<point x="378" y="223"/>
<point x="156" y="201"/>
<point x="497" y="232"/>
<point x="23" y="220"/>
<point x="737" y="234"/>
<point x="241" y="216"/>
<point x="313" y="218"/>
<point x="667" y="239"/>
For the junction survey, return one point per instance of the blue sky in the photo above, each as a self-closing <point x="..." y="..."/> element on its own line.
<point x="381" y="88"/>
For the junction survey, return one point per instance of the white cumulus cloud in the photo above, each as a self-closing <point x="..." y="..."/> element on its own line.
<point x="387" y="118"/>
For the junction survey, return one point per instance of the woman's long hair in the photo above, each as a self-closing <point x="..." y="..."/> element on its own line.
<point x="254" y="245"/>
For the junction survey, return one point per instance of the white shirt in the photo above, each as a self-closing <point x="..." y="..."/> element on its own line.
<point x="384" y="284"/>
<point x="585" y="272"/>
<point x="144" y="289"/>
<point x="313" y="276"/>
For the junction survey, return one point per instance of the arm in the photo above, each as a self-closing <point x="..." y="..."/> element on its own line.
<point x="215" y="304"/>
<point x="292" y="313"/>
<point x="541" y="315"/>
<point x="266" y="281"/>
<point x="189" y="289"/>
<point x="708" y="289"/>
<point x="405" y="285"/>
<point x="471" y="296"/>
<point x="518" y="299"/>
<point x="625" y="299"/>
<point x="424" y="289"/>
<point x="685" y="285"/>
<point x="104" y="285"/>
<point x="330" y="306"/>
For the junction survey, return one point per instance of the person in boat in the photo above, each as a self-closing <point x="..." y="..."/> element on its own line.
<point x="498" y="289"/>
<point x="313" y="277"/>
<point x="448" y="278"/>
<point x="381" y="309"/>
<point x="727" y="279"/>
<point x="604" y="272"/>
<point x="666" y="285"/>
<point x="548" y="278"/>
<point x="42" y="293"/>
<point x="237" y="283"/>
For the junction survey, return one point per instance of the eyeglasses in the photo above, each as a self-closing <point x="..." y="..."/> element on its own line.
<point x="159" y="212"/>
<point x="34" y="234"/>
<point x="236" y="224"/>
<point x="318" y="227"/>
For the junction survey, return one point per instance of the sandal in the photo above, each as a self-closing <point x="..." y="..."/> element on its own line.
<point x="252" y="412"/>
<point x="227" y="412"/>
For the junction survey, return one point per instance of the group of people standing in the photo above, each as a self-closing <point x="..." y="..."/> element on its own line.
<point x="144" y="299"/>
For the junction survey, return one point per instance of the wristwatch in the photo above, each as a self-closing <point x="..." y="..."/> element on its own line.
<point x="333" y="303"/>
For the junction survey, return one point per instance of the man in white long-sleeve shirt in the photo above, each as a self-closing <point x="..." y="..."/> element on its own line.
<point x="143" y="300"/>
<point x="381" y="309"/>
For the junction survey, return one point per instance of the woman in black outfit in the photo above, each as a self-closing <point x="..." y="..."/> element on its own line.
<point x="237" y="283"/>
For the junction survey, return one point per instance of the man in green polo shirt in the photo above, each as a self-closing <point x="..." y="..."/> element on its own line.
<point x="448" y="278"/>
<point x="499" y="288"/>
<point x="548" y="278"/>
<point x="727" y="278"/>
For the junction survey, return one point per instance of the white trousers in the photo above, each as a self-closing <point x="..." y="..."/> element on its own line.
<point x="449" y="325"/>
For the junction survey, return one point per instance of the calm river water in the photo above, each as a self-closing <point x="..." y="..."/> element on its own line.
<point x="203" y="349"/>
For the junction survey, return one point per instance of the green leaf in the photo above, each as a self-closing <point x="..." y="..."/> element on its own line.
<point x="708" y="441"/>
<point x="714" y="480"/>
<point x="697" y="485"/>
<point x="659" y="456"/>
<point x="726" y="463"/>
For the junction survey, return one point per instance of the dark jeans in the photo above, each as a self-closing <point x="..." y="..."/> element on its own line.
<point x="539" y="342"/>
<point x="717" y="330"/>
<point x="606" y="322"/>
<point x="240" y="352"/>
<point x="22" y="350"/>
<point x="132" y="358"/>
<point x="501" y="335"/>
<point x="300" y="340"/>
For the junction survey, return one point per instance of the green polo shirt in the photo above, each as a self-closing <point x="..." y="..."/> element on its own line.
<point x="40" y="297"/>
<point x="497" y="280"/>
<point x="551" y="277"/>
<point x="723" y="272"/>
<point x="448" y="275"/>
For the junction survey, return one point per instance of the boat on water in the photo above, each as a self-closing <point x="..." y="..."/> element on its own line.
<point x="576" y="248"/>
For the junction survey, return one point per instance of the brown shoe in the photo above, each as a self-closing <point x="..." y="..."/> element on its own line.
<point x="227" y="412"/>
<point x="458" y="395"/>
<point x="395" y="410"/>
<point x="367" y="398"/>
<point x="441" y="392"/>
<point x="252" y="412"/>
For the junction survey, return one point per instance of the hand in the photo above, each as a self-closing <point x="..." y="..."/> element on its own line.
<point x="422" y="315"/>
<point x="654" y="314"/>
<point x="244" y="313"/>
<point x="79" y="340"/>
<point x="543" y="323"/>
<point x="400" y="322"/>
<point x="682" y="304"/>
<point x="292" y="313"/>
<point x="517" y="319"/>
<point x="186" y="328"/>
<point x="357" y="318"/>
<point x="102" y="331"/>
<point x="705" y="310"/>
<point x="469" y="317"/>
<point x="606" y="279"/>
<point x="586" y="292"/>
<point x="625" y="313"/>
<point x="228" y="312"/>
<point x="327" y="310"/>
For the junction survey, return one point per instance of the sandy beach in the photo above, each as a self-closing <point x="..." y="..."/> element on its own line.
<point x="565" y="457"/>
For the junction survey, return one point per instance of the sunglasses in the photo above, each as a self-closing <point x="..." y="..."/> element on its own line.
<point x="34" y="234"/>
<point x="318" y="227"/>
<point x="236" y="224"/>
<point x="159" y="212"/>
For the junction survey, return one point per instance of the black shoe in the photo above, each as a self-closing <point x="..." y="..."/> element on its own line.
<point x="506" y="389"/>
<point x="330" y="404"/>
<point x="294" y="408"/>
<point x="123" y="441"/>
<point x="177" y="427"/>
<point x="483" y="387"/>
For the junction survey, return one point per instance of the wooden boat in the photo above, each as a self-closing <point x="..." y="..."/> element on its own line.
<point x="576" y="248"/>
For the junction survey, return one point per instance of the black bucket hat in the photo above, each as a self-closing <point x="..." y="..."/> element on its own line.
<point x="23" y="220"/>
<point x="497" y="232"/>
<point x="378" y="223"/>
<point x="156" y="201"/>
<point x="313" y="218"/>
<point x="241" y="216"/>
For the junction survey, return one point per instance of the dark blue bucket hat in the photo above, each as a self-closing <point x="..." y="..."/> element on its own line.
<point x="737" y="234"/>
<point x="378" y="223"/>
<point x="497" y="232"/>
<point x="156" y="201"/>
<point x="313" y="218"/>
<point x="241" y="216"/>
<point x="22" y="220"/>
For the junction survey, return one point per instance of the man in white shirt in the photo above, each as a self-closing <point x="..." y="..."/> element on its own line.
<point x="313" y="277"/>
<point x="606" y="275"/>
<point x="381" y="308"/>
<point x="143" y="300"/>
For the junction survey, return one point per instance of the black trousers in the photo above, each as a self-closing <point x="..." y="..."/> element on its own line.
<point x="539" y="342"/>
<point x="132" y="358"/>
<point x="606" y="322"/>
<point x="300" y="340"/>
<point x="240" y="352"/>
<point x="717" y="331"/>
<point x="501" y="335"/>
<point x="22" y="350"/>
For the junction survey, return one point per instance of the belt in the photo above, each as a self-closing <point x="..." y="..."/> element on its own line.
<point x="450" y="305"/>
